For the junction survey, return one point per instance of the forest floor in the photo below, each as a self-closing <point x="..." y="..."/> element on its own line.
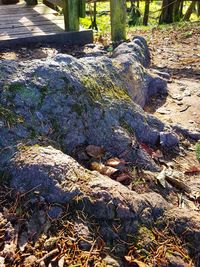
<point x="174" y="50"/>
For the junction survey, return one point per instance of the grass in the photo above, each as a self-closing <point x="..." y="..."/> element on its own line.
<point x="103" y="17"/>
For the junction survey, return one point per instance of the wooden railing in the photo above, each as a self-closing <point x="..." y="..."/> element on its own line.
<point x="75" y="9"/>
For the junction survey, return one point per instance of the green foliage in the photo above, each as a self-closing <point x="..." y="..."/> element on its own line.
<point x="197" y="150"/>
<point x="103" y="17"/>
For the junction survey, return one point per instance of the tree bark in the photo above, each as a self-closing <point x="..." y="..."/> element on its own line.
<point x="198" y="9"/>
<point x="118" y="19"/>
<point x="189" y="11"/>
<point x="146" y="13"/>
<point x="167" y="12"/>
<point x="178" y="10"/>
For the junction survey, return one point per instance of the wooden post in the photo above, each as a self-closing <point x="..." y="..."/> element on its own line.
<point x="71" y="14"/>
<point x="118" y="19"/>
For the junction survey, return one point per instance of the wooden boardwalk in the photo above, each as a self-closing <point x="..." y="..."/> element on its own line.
<point x="21" y="24"/>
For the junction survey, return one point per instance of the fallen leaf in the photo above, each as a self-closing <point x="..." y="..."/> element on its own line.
<point x="123" y="177"/>
<point x="147" y="148"/>
<point x="30" y="261"/>
<point x="192" y="170"/>
<point x="157" y="154"/>
<point x="9" y="251"/>
<point x="134" y="262"/>
<point x="105" y="170"/>
<point x="161" y="177"/>
<point x="95" y="151"/>
<point x="115" y="162"/>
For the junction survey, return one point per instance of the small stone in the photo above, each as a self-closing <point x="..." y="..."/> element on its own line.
<point x="111" y="262"/>
<point x="55" y="212"/>
<point x="187" y="93"/>
<point x="177" y="97"/>
<point x="175" y="260"/>
<point x="168" y="139"/>
<point x="190" y="121"/>
<point x="182" y="88"/>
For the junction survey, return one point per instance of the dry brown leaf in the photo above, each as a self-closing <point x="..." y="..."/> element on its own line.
<point x="9" y="251"/>
<point x="157" y="154"/>
<point x="105" y="170"/>
<point x="192" y="170"/>
<point x="95" y="151"/>
<point x="115" y="162"/>
<point x="134" y="262"/>
<point x="123" y="177"/>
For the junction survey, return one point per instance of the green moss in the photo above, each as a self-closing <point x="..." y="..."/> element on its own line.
<point x="43" y="93"/>
<point x="126" y="126"/>
<point x="16" y="87"/>
<point x="55" y="125"/>
<point x="99" y="90"/>
<point x="24" y="92"/>
<point x="77" y="108"/>
<point x="68" y="87"/>
<point x="9" y="116"/>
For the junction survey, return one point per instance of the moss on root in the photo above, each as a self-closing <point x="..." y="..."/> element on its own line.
<point x="98" y="90"/>
<point x="9" y="116"/>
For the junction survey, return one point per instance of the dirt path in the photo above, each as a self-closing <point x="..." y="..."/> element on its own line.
<point x="176" y="51"/>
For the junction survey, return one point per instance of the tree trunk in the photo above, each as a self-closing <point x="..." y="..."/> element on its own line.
<point x="189" y="11"/>
<point x="146" y="12"/>
<point x="167" y="12"/>
<point x="178" y="10"/>
<point x="118" y="19"/>
<point x="198" y="9"/>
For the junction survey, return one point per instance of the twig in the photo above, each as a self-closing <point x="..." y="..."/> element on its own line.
<point x="51" y="253"/>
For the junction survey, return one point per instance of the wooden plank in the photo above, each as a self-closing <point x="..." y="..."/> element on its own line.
<point x="21" y="16"/>
<point x="32" y="21"/>
<point x="18" y="19"/>
<point x="70" y="38"/>
<point x="27" y="10"/>
<point x="32" y="29"/>
<point x="18" y="6"/>
<point x="59" y="23"/>
<point x="56" y="2"/>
